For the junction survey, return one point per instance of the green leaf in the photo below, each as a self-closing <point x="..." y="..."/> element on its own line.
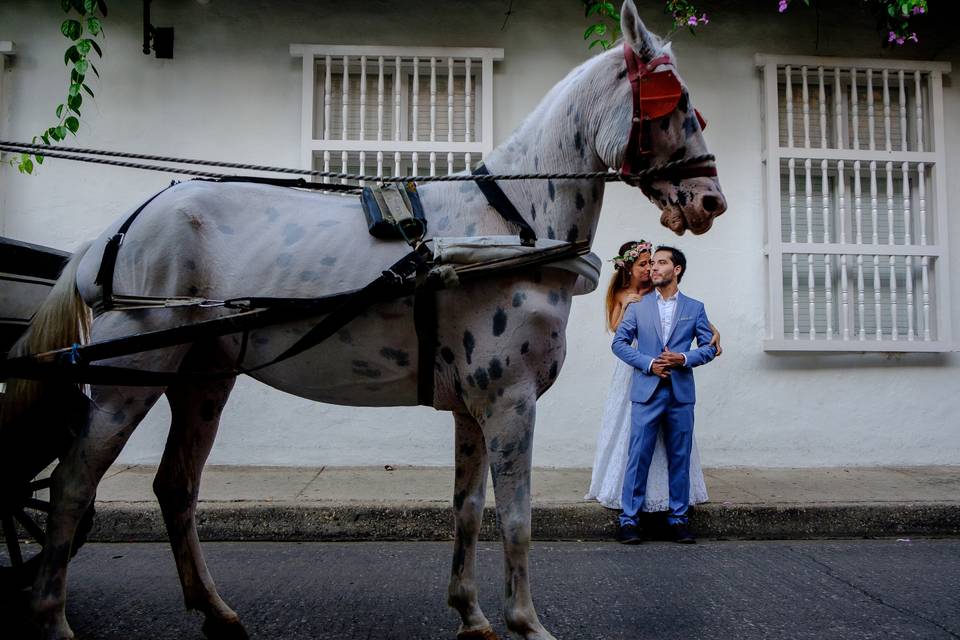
<point x="39" y="159"/>
<point x="74" y="89"/>
<point x="94" y="26"/>
<point x="598" y="29"/>
<point x="74" y="102"/>
<point x="71" y="29"/>
<point x="65" y="5"/>
<point x="96" y="48"/>
<point x="26" y="165"/>
<point x="73" y="124"/>
<point x="46" y="138"/>
<point x="60" y="110"/>
<point x="82" y="67"/>
<point x="102" y="5"/>
<point x="83" y="47"/>
<point x="88" y="90"/>
<point x="62" y="132"/>
<point x="78" y="5"/>
<point x="592" y="9"/>
<point x="71" y="55"/>
<point x="55" y="134"/>
<point x="90" y="5"/>
<point x="596" y="42"/>
<point x="610" y="9"/>
<point x="94" y="67"/>
<point x="891" y="10"/>
<point x="76" y="77"/>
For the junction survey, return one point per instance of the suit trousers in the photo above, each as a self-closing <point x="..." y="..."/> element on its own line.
<point x="660" y="412"/>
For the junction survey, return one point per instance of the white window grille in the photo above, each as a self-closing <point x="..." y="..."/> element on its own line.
<point x="856" y="207"/>
<point x="395" y="110"/>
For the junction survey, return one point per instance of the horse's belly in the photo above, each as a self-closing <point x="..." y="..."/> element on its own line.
<point x="371" y="361"/>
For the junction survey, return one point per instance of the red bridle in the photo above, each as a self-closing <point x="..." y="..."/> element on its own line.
<point x="656" y="94"/>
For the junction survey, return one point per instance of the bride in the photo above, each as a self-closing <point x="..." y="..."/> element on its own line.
<point x="630" y="282"/>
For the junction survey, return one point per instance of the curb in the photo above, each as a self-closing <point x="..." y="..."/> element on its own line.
<point x="422" y="521"/>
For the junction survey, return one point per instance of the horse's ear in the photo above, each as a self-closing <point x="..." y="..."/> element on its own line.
<point x="634" y="31"/>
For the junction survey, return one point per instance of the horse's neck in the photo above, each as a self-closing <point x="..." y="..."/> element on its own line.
<point x="558" y="137"/>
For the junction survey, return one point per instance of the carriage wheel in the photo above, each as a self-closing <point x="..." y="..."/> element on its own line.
<point x="24" y="516"/>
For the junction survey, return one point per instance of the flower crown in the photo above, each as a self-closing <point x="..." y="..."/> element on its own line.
<point x="631" y="254"/>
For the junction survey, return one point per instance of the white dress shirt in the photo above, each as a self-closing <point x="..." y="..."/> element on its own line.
<point x="668" y="310"/>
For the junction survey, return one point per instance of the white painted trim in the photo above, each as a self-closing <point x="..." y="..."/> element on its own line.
<point x="299" y="50"/>
<point x="940" y="202"/>
<point x="771" y="187"/>
<point x="7" y="48"/>
<point x="820" y="345"/>
<point x="403" y="146"/>
<point x="863" y="155"/>
<point x="764" y="59"/>
<point x="835" y="249"/>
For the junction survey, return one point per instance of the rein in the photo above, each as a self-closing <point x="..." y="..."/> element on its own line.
<point x="79" y="155"/>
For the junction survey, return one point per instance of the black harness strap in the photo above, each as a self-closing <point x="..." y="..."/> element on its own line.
<point x="110" y="252"/>
<point x="499" y="201"/>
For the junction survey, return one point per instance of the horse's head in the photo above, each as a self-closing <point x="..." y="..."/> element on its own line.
<point x="650" y="121"/>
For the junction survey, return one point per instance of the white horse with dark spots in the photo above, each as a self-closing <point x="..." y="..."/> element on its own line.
<point x="500" y="340"/>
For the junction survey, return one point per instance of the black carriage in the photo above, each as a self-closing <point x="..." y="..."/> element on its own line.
<point x="30" y="446"/>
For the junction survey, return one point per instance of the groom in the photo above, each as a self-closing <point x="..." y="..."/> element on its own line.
<point x="663" y="393"/>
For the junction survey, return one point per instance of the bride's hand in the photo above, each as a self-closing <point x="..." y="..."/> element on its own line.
<point x="715" y="340"/>
<point x="632" y="297"/>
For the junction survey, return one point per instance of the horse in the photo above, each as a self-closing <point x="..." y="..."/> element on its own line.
<point x="500" y="340"/>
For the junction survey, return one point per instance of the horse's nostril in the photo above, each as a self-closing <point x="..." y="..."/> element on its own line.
<point x="711" y="203"/>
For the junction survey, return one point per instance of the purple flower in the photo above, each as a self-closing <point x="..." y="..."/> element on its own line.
<point x="704" y="19"/>
<point x="692" y="21"/>
<point x="783" y="5"/>
<point x="913" y="36"/>
<point x="891" y="37"/>
<point x="900" y="41"/>
<point x="917" y="10"/>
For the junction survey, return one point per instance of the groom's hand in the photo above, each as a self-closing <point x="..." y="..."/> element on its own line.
<point x="660" y="368"/>
<point x="671" y="359"/>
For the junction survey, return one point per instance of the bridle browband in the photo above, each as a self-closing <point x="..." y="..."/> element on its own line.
<point x="656" y="94"/>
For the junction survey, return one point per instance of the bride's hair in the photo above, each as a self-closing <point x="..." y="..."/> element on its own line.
<point x="620" y="279"/>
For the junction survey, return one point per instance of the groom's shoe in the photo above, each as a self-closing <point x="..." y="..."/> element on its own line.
<point x="629" y="534"/>
<point x="680" y="533"/>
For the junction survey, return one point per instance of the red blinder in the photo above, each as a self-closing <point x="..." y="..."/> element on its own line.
<point x="703" y="123"/>
<point x="659" y="94"/>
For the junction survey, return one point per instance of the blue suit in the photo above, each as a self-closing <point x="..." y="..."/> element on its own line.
<point x="658" y="403"/>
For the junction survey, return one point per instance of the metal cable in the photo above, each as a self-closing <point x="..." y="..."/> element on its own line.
<point x="67" y="154"/>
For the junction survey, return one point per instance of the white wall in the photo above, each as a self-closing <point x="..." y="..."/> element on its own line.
<point x="233" y="92"/>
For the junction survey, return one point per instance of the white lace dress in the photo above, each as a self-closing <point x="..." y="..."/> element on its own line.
<point x="610" y="460"/>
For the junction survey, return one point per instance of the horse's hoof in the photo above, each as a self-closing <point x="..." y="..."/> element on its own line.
<point x="218" y="629"/>
<point x="484" y="633"/>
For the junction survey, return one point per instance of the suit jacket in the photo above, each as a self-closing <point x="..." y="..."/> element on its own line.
<point x="641" y="322"/>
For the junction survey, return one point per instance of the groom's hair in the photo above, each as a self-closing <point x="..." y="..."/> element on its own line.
<point x="679" y="260"/>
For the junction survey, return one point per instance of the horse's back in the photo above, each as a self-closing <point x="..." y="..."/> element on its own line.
<point x="223" y="240"/>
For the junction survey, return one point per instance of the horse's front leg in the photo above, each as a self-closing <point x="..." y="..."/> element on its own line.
<point x="468" y="499"/>
<point x="508" y="429"/>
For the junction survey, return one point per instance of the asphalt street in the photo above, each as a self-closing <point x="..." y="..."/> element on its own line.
<point x="726" y="590"/>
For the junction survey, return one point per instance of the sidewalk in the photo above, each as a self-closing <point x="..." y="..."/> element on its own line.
<point x="413" y="503"/>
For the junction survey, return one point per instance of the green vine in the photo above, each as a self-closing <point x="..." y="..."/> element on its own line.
<point x="895" y="19"/>
<point x="82" y="26"/>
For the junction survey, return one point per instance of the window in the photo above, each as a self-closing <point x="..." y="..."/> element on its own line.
<point x="395" y="110"/>
<point x="855" y="199"/>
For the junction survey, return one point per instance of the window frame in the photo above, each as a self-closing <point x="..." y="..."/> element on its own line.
<point x="776" y="156"/>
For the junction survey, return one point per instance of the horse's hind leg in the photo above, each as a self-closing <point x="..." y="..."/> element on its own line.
<point x="468" y="499"/>
<point x="195" y="410"/>
<point x="114" y="414"/>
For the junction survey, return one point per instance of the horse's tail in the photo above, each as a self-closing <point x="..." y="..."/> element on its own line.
<point x="63" y="319"/>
